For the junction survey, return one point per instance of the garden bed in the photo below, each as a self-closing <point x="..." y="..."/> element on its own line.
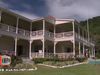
<point x="58" y="62"/>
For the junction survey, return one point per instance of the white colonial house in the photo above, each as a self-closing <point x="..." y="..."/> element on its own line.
<point x="43" y="37"/>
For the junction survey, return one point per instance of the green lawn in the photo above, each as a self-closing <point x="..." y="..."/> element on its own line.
<point x="76" y="70"/>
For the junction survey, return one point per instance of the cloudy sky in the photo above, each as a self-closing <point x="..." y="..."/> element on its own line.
<point x="77" y="9"/>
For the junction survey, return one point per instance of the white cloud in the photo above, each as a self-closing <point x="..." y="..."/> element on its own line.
<point x="79" y="9"/>
<point x="26" y="14"/>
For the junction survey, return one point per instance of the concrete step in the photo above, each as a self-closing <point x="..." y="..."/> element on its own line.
<point x="27" y="60"/>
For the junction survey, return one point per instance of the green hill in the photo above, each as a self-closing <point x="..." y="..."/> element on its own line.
<point x="94" y="27"/>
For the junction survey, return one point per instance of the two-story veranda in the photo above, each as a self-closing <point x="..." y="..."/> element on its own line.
<point x="43" y="37"/>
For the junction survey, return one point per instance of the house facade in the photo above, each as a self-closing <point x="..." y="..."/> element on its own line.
<point x="43" y="37"/>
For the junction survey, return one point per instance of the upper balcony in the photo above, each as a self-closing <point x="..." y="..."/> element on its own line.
<point x="21" y="33"/>
<point x="12" y="31"/>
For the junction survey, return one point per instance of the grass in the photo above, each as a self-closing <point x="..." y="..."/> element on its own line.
<point x="76" y="70"/>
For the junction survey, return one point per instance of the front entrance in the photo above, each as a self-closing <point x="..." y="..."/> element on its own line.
<point x="19" y="50"/>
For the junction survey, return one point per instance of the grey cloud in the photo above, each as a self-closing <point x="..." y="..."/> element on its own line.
<point x="78" y="9"/>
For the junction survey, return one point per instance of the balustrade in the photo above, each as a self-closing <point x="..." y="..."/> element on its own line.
<point x="7" y="52"/>
<point x="64" y="34"/>
<point x="37" y="55"/>
<point x="12" y="29"/>
<point x="49" y="34"/>
<point x="37" y="33"/>
<point x="51" y="55"/>
<point x="64" y="55"/>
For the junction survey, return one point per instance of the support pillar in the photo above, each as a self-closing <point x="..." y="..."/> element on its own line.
<point x="94" y="51"/>
<point x="17" y="25"/>
<point x="73" y="38"/>
<point x="83" y="50"/>
<point x="43" y="48"/>
<point x="54" y="40"/>
<point x="0" y="15"/>
<point x="55" y="47"/>
<point x="30" y="29"/>
<point x="79" y="49"/>
<point x="30" y="47"/>
<point x="16" y="46"/>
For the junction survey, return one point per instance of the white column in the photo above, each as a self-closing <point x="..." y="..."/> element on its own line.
<point x="79" y="41"/>
<point x="30" y="29"/>
<point x="17" y="25"/>
<point x="88" y="30"/>
<point x="30" y="47"/>
<point x="73" y="38"/>
<point x="91" y="51"/>
<point x="78" y="30"/>
<point x="79" y="48"/>
<point x="94" y="51"/>
<point x="83" y="50"/>
<point x="15" y="46"/>
<point x="43" y="48"/>
<point x="55" y="47"/>
<point x="83" y="34"/>
<point x="0" y="15"/>
<point x="54" y="40"/>
<point x="16" y="37"/>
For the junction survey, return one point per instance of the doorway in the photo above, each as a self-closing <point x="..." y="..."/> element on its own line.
<point x="19" y="50"/>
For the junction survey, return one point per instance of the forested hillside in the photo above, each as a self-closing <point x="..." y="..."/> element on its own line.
<point x="94" y="27"/>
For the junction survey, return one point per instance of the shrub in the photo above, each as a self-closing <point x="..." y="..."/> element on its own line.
<point x="80" y="59"/>
<point x="59" y="64"/>
<point x="39" y="60"/>
<point x="98" y="55"/>
<point x="48" y="62"/>
<point x="15" y="60"/>
<point x="24" y="66"/>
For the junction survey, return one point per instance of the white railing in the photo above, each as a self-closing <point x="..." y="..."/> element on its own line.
<point x="36" y="55"/>
<point x="52" y="55"/>
<point x="7" y="52"/>
<point x="64" y="34"/>
<point x="8" y="28"/>
<point x="64" y="55"/>
<point x="40" y="33"/>
<point x="12" y="29"/>
<point x="49" y="34"/>
<point x="49" y="55"/>
<point x="23" y="32"/>
<point x="37" y="33"/>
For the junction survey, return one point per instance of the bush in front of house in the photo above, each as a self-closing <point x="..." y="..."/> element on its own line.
<point x="15" y="60"/>
<point x="24" y="66"/>
<point x="98" y="55"/>
<point x="41" y="60"/>
<point x="38" y="60"/>
<point x="80" y="59"/>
